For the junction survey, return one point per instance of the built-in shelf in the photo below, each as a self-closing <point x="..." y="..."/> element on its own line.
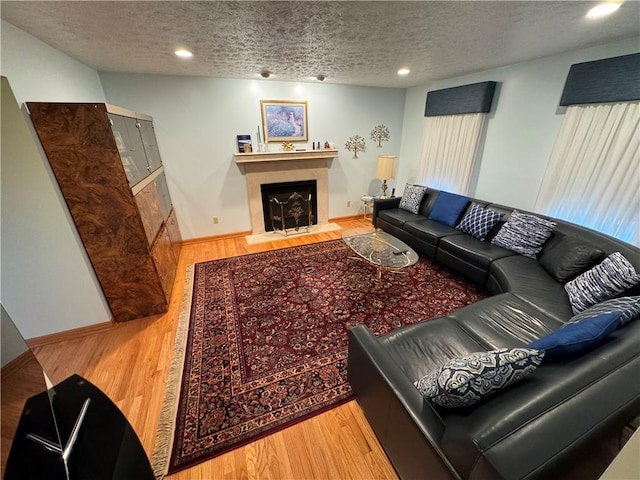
<point x="243" y="158"/>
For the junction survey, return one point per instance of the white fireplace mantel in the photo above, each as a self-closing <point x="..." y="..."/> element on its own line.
<point x="276" y="167"/>
<point x="244" y="158"/>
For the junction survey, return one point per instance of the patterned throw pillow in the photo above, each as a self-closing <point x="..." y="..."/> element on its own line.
<point x="627" y="307"/>
<point x="524" y="234"/>
<point x="612" y="276"/>
<point x="576" y="338"/>
<point x="412" y="197"/>
<point x="464" y="381"/>
<point x="478" y="221"/>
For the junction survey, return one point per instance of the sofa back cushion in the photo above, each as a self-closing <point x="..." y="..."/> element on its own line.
<point x="567" y="256"/>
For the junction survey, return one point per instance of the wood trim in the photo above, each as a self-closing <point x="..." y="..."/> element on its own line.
<point x="70" y="334"/>
<point x="345" y="219"/>
<point x="224" y="236"/>
<point x="16" y="364"/>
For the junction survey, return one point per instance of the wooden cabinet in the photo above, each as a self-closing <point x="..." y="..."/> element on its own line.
<point x="108" y="166"/>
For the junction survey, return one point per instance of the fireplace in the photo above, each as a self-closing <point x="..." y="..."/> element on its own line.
<point x="285" y="205"/>
<point x="280" y="167"/>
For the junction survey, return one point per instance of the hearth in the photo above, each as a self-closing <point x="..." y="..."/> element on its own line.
<point x="289" y="205"/>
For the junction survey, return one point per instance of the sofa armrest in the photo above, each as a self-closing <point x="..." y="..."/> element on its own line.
<point x="408" y="428"/>
<point x="384" y="204"/>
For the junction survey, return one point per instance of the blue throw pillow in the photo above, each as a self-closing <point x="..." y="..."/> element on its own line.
<point x="478" y="221"/>
<point x="464" y="381"/>
<point x="576" y="338"/>
<point x="448" y="207"/>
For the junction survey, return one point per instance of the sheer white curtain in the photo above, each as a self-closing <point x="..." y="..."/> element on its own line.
<point x="593" y="174"/>
<point x="449" y="147"/>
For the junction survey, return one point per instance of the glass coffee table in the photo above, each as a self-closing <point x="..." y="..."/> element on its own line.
<point x="382" y="250"/>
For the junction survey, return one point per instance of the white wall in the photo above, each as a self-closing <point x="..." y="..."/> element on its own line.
<point x="197" y="120"/>
<point x="48" y="284"/>
<point x="522" y="126"/>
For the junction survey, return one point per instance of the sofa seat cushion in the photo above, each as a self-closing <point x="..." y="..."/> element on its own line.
<point x="429" y="230"/>
<point x="504" y="321"/>
<point x="398" y="216"/>
<point x="423" y="347"/>
<point x="476" y="252"/>
<point x="528" y="280"/>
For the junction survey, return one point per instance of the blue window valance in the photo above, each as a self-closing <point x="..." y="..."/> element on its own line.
<point x="614" y="79"/>
<point x="473" y="98"/>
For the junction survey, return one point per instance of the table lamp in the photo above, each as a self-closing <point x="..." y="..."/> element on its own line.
<point x="386" y="170"/>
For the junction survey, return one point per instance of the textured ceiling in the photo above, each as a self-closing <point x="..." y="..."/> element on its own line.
<point x="356" y="43"/>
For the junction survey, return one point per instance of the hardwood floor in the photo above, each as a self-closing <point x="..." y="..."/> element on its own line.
<point x="130" y="362"/>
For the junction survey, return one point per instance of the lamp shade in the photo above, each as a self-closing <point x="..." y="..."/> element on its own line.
<point x="386" y="167"/>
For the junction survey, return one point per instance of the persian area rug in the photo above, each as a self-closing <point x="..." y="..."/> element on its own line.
<point x="262" y="341"/>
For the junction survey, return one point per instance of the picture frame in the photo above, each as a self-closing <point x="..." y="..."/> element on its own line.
<point x="284" y="120"/>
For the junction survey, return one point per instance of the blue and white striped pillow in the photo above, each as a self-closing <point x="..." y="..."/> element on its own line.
<point x="612" y="276"/>
<point x="629" y="307"/>
<point x="524" y="234"/>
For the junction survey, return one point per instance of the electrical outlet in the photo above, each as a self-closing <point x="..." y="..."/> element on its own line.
<point x="215" y="220"/>
<point x="348" y="203"/>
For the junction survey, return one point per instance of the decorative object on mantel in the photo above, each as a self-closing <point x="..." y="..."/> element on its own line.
<point x="288" y="146"/>
<point x="380" y="133"/>
<point x="386" y="170"/>
<point x="284" y="120"/>
<point x="355" y="144"/>
<point x="244" y="143"/>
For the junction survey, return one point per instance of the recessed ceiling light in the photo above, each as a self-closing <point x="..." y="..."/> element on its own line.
<point x="265" y="74"/>
<point x="603" y="10"/>
<point x="320" y="78"/>
<point x="183" y="53"/>
<point x="404" y="71"/>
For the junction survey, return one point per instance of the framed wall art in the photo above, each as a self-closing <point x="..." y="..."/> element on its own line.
<point x="284" y="120"/>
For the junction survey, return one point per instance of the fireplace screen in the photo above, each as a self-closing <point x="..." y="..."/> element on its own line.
<point x="289" y="207"/>
<point x="292" y="214"/>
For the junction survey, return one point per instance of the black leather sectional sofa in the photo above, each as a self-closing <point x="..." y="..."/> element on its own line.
<point x="540" y="427"/>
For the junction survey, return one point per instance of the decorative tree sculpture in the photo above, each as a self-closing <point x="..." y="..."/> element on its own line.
<point x="355" y="144"/>
<point x="380" y="134"/>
